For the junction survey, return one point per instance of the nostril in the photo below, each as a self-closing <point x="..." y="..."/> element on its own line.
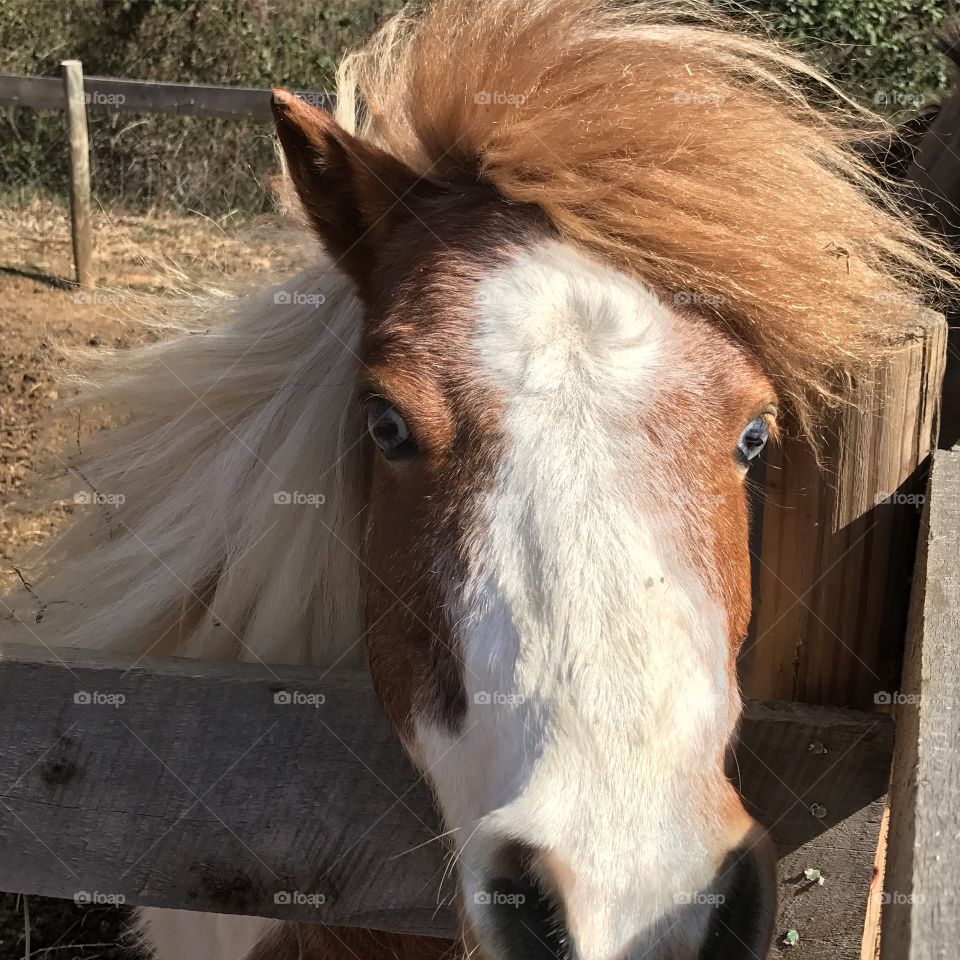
<point x="742" y="925"/>
<point x="524" y="921"/>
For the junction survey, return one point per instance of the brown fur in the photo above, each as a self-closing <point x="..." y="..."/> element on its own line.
<point x="651" y="135"/>
<point x="433" y="248"/>
<point x="416" y="353"/>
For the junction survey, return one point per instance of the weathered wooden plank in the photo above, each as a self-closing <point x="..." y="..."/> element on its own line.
<point x="187" y="784"/>
<point x="41" y="93"/>
<point x="178" y="783"/>
<point x="838" y="543"/>
<point x="143" y="96"/>
<point x="921" y="911"/>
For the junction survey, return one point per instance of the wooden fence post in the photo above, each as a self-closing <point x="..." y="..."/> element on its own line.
<point x="80" y="217"/>
<point x="921" y="894"/>
<point x="837" y="545"/>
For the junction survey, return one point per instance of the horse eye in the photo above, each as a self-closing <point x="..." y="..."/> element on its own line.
<point x="752" y="440"/>
<point x="389" y="430"/>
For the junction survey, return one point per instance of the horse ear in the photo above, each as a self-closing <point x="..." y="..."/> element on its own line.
<point x="350" y="190"/>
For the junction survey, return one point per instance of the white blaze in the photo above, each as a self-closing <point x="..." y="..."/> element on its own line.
<point x="595" y="657"/>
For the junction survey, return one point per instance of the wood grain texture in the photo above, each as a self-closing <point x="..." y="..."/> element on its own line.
<point x="81" y="220"/>
<point x="921" y="915"/>
<point x="837" y="546"/>
<point x="213" y="787"/>
<point x="142" y="96"/>
<point x="178" y="783"/>
<point x="871" y="925"/>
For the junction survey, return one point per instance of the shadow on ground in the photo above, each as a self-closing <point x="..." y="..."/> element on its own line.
<point x="61" y="930"/>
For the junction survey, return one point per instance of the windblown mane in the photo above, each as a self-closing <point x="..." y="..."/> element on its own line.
<point x="189" y="543"/>
<point x="699" y="159"/>
<point x="650" y="132"/>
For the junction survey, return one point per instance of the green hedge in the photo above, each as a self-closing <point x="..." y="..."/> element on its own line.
<point x="880" y="50"/>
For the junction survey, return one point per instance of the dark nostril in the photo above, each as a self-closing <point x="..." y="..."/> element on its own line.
<point x="526" y="921"/>
<point x="742" y="925"/>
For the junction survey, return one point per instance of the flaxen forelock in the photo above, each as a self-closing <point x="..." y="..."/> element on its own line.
<point x="691" y="155"/>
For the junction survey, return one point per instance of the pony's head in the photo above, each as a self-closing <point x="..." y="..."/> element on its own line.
<point x="583" y="252"/>
<point x="557" y="547"/>
<point x="592" y="246"/>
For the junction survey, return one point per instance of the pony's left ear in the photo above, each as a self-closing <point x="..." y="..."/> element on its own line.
<point x="351" y="190"/>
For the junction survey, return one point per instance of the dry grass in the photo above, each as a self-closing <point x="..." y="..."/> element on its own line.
<point x="142" y="261"/>
<point x="149" y="251"/>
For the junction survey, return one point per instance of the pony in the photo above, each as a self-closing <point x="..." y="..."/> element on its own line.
<point x="578" y="260"/>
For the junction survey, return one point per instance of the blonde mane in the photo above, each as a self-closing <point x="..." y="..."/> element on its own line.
<point x="651" y="133"/>
<point x="223" y="519"/>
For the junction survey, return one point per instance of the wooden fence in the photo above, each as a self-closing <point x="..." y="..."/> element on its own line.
<point x="922" y="917"/>
<point x="147" y="96"/>
<point x="76" y="94"/>
<point x="281" y="792"/>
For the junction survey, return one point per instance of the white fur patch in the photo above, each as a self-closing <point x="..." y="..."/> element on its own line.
<point x="595" y="658"/>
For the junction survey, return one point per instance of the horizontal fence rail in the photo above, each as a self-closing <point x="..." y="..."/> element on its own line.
<point x="76" y="94"/>
<point x="283" y="792"/>
<point x="147" y="96"/>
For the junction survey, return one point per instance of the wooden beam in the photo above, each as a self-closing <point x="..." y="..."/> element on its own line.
<point x="81" y="219"/>
<point x="107" y="94"/>
<point x="41" y="93"/>
<point x="838" y="543"/>
<point x="921" y="911"/>
<point x="224" y="787"/>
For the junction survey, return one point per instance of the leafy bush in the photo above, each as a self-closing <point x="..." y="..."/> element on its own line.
<point x="140" y="160"/>
<point x="879" y="51"/>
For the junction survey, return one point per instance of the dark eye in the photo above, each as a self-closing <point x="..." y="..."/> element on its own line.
<point x="389" y="430"/>
<point x="752" y="440"/>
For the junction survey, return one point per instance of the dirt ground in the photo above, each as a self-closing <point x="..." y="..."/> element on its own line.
<point x="139" y="259"/>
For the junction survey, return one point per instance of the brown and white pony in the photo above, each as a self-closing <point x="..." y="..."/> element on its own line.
<point x="577" y="254"/>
